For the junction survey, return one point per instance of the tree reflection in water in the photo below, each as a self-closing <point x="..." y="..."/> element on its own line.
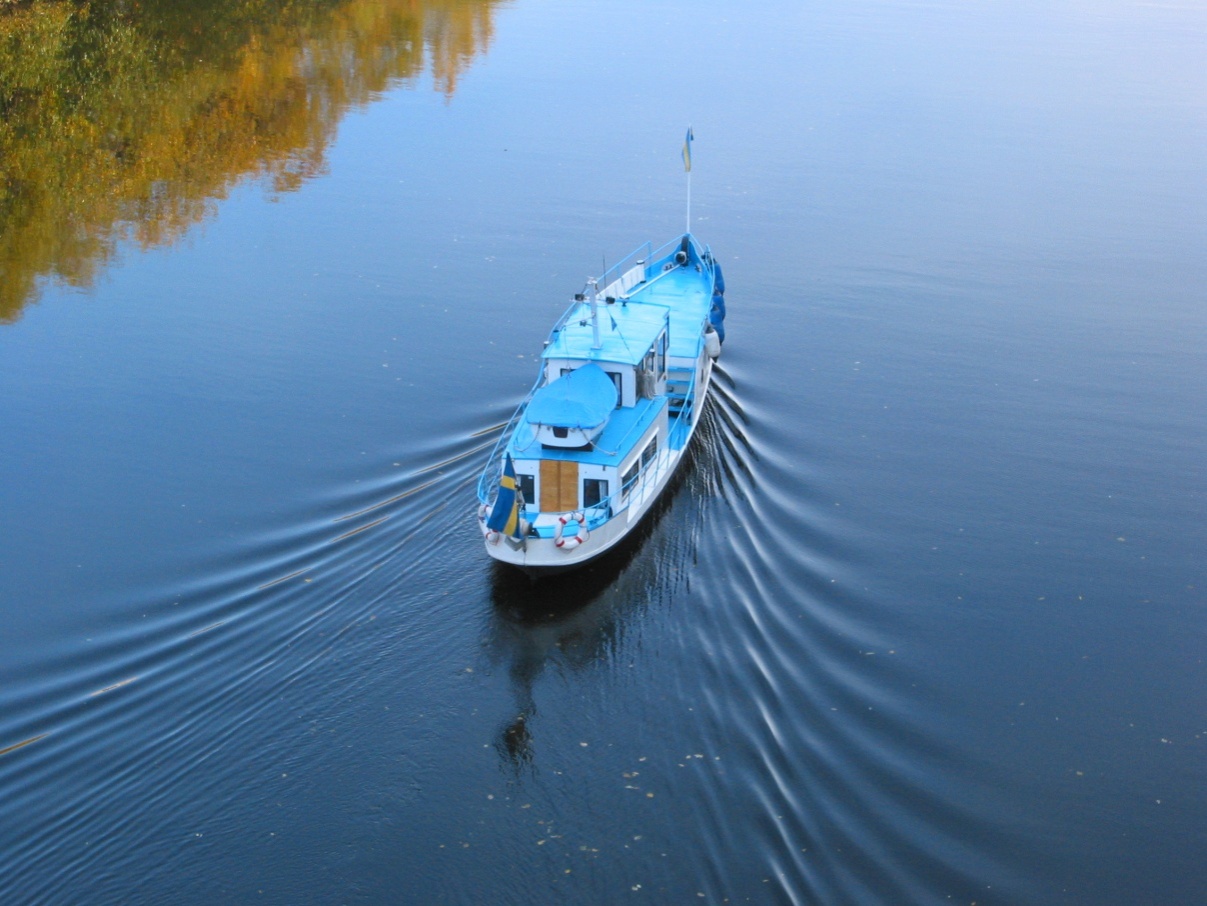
<point x="123" y="121"/>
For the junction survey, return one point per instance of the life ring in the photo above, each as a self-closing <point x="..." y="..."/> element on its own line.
<point x="492" y="537"/>
<point x="580" y="537"/>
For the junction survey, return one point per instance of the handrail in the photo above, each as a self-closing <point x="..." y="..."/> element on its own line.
<point x="614" y="502"/>
<point x="485" y="486"/>
<point x="488" y="471"/>
<point x="664" y="254"/>
<point x="489" y="477"/>
<point x="646" y="254"/>
<point x="617" y="499"/>
<point x="622" y="267"/>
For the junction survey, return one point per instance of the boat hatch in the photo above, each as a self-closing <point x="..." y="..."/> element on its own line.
<point x="572" y="410"/>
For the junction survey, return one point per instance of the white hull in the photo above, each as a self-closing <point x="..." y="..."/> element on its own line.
<point x="538" y="556"/>
<point x="624" y="377"/>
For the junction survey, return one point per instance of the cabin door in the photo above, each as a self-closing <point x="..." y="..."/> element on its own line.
<point x="559" y="486"/>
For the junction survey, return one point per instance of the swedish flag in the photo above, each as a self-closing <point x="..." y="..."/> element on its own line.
<point x="687" y="150"/>
<point x="505" y="515"/>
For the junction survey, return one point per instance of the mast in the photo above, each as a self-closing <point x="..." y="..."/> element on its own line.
<point x="594" y="284"/>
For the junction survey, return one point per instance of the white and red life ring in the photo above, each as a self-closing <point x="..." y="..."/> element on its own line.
<point x="492" y="537"/>
<point x="573" y="541"/>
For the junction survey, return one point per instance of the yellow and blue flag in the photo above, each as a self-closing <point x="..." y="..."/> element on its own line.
<point x="687" y="150"/>
<point x="505" y="516"/>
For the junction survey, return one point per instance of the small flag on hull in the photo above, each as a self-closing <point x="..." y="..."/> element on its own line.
<point x="687" y="150"/>
<point x="505" y="515"/>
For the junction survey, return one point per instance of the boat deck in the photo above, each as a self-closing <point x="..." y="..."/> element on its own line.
<point x="636" y="327"/>
<point x="686" y="293"/>
<point x="624" y="427"/>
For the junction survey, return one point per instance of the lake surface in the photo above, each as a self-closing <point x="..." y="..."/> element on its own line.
<point x="923" y="618"/>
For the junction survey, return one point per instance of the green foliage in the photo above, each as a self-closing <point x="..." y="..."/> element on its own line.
<point x="125" y="120"/>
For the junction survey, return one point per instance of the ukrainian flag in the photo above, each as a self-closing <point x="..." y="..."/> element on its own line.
<point x="687" y="150"/>
<point x="505" y="516"/>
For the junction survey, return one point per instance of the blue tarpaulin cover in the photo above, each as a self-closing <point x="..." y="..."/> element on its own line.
<point x="584" y="398"/>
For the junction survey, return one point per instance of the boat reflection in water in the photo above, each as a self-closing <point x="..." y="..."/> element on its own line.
<point x="574" y="621"/>
<point x="569" y="621"/>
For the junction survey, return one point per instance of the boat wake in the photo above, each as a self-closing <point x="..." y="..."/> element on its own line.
<point x="199" y="669"/>
<point x="795" y="704"/>
<point x="731" y="658"/>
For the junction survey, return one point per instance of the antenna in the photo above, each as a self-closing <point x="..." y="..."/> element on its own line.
<point x="598" y="344"/>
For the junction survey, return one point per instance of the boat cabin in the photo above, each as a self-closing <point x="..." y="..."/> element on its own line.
<point x="600" y="414"/>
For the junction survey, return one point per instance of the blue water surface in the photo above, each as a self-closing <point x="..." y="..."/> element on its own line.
<point x="921" y="621"/>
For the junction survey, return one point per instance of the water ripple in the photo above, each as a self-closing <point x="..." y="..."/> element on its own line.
<point x="185" y="673"/>
<point x="826" y="732"/>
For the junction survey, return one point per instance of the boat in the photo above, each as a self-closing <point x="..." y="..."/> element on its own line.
<point x="624" y="375"/>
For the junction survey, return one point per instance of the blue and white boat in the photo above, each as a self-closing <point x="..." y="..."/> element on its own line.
<point x="624" y="375"/>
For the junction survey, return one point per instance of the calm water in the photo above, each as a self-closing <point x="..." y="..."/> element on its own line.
<point x="923" y="620"/>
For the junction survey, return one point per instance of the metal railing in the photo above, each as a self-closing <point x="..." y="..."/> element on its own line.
<point x="619" y="501"/>
<point x="644" y="255"/>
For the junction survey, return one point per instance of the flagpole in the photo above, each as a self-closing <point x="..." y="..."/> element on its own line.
<point x="687" y="165"/>
<point x="689" y="201"/>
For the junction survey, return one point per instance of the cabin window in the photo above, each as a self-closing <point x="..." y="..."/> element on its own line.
<point x="561" y="433"/>
<point x="595" y="491"/>
<point x="648" y="454"/>
<point x="630" y="476"/>
<point x="646" y="379"/>
<point x="616" y="379"/>
<point x="650" y="361"/>
<point x="527" y="485"/>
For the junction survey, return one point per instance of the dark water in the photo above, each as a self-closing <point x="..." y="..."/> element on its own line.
<point x="923" y="618"/>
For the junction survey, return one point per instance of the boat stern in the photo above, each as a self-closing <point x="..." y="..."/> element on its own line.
<point x="557" y="543"/>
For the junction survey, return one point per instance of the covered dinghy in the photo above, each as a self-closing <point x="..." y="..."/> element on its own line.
<point x="571" y="411"/>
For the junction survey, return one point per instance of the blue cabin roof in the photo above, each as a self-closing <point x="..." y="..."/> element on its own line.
<point x="623" y="430"/>
<point x="626" y="333"/>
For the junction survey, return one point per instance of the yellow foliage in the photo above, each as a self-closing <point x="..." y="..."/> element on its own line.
<point x="128" y="123"/>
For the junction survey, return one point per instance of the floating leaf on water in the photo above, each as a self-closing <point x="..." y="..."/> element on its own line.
<point x="23" y="744"/>
<point x="124" y="682"/>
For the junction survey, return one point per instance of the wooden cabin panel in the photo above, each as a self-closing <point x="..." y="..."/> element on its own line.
<point x="550" y="484"/>
<point x="559" y="486"/>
